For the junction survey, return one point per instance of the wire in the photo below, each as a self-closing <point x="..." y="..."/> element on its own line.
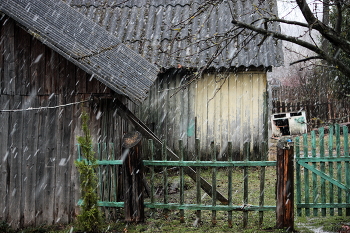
<point x="44" y="108"/>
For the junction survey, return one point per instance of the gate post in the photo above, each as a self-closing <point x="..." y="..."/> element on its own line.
<point x="285" y="184"/>
<point x="133" y="178"/>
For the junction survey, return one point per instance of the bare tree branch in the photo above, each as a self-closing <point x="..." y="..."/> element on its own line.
<point x="305" y="59"/>
<point x="322" y="54"/>
<point x="327" y="32"/>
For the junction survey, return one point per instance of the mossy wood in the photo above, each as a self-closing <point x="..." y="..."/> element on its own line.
<point x="133" y="179"/>
<point x="285" y="185"/>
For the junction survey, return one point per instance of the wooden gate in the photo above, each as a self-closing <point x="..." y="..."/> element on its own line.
<point x="323" y="172"/>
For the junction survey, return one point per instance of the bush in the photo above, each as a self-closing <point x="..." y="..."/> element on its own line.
<point x="89" y="219"/>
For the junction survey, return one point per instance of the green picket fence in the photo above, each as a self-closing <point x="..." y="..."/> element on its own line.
<point x="201" y="168"/>
<point x="323" y="172"/>
<point x="219" y="174"/>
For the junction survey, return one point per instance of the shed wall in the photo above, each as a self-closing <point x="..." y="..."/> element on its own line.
<point x="39" y="181"/>
<point x="219" y="107"/>
<point x="231" y="107"/>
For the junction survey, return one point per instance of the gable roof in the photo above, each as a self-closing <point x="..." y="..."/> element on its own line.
<point x="86" y="44"/>
<point x="166" y="33"/>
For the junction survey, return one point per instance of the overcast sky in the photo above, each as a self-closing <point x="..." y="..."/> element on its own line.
<point x="289" y="10"/>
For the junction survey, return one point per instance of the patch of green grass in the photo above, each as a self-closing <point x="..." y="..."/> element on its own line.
<point x="328" y="224"/>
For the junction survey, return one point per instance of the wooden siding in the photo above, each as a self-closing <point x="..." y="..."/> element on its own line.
<point x="38" y="147"/>
<point x="219" y="107"/>
<point x="230" y="107"/>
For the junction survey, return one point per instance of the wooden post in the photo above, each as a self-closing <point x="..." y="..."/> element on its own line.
<point x="285" y="185"/>
<point x="133" y="178"/>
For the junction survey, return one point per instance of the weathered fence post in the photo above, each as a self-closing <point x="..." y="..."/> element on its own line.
<point x="133" y="178"/>
<point x="285" y="184"/>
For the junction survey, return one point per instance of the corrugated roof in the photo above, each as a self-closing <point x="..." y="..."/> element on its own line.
<point x="166" y="33"/>
<point x="86" y="44"/>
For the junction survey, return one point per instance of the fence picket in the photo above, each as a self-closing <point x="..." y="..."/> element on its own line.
<point x="230" y="153"/>
<point x="182" y="186"/>
<point x="262" y="182"/>
<point x="214" y="173"/>
<point x="323" y="169"/>
<point x="198" y="175"/>
<point x="151" y="151"/>
<point x="100" y="168"/>
<point x="297" y="174"/>
<point x="339" y="166"/>
<point x="246" y="152"/>
<point x="165" y="178"/>
<point x="331" y="166"/>
<point x="314" y="176"/>
<point x="306" y="175"/>
<point x="347" y="167"/>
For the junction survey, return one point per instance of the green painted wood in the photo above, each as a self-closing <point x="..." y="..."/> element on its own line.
<point x="99" y="157"/>
<point x="79" y="152"/>
<point x="213" y="178"/>
<point x="214" y="164"/>
<point x="197" y="163"/>
<point x="323" y="175"/>
<point x="314" y="175"/>
<point x="264" y="148"/>
<point x="306" y="175"/>
<point x="176" y="206"/>
<point x="114" y="173"/>
<point x="182" y="183"/>
<point x="347" y="166"/>
<point x="324" y="205"/>
<point x="297" y="175"/>
<point x="339" y="167"/>
<point x="230" y="185"/>
<point x="198" y="175"/>
<point x="325" y="159"/>
<point x="330" y="166"/>
<point x="106" y="203"/>
<point x="211" y="163"/>
<point x="323" y="169"/>
<point x="151" y="151"/>
<point x="165" y="178"/>
<point x="246" y="152"/>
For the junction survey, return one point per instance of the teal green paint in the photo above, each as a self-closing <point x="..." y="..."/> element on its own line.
<point x="176" y="206"/>
<point x="191" y="128"/>
<point x="210" y="163"/>
<point x="323" y="175"/>
<point x="300" y="120"/>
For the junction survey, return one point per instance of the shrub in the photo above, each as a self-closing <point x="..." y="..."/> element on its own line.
<point x="89" y="219"/>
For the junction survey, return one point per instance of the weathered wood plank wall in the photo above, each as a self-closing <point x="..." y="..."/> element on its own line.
<point x="39" y="181"/>
<point x="218" y="107"/>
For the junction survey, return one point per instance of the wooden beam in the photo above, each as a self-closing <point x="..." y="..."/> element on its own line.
<point x="285" y="185"/>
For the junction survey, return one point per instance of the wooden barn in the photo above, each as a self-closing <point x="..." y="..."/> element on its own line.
<point x="55" y="63"/>
<point x="170" y="62"/>
<point x="213" y="79"/>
